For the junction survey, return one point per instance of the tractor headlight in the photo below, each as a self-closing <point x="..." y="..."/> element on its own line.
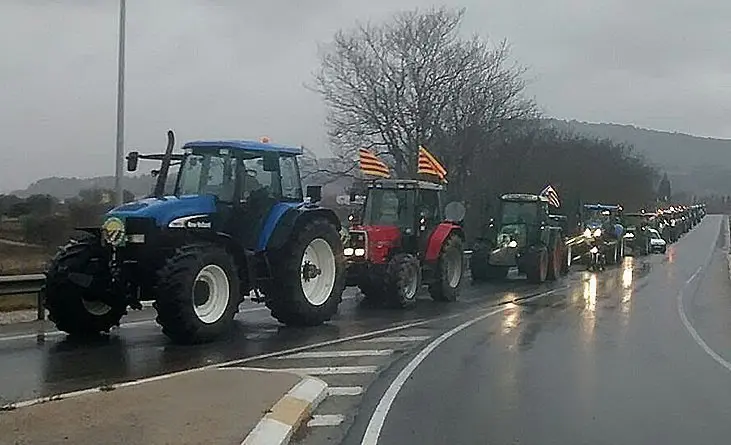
<point x="629" y="235"/>
<point x="113" y="232"/>
<point x="597" y="233"/>
<point x="587" y="233"/>
<point x="594" y="250"/>
<point x="359" y="252"/>
<point x="513" y="244"/>
<point x="348" y="251"/>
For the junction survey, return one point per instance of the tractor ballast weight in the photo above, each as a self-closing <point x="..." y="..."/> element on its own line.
<point x="236" y="224"/>
<point x="405" y="239"/>
<point x="524" y="235"/>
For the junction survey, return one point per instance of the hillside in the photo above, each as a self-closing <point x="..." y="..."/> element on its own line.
<point x="65" y="188"/>
<point x="694" y="164"/>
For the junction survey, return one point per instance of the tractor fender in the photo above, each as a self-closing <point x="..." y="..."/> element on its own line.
<point x="437" y="238"/>
<point x="283" y="221"/>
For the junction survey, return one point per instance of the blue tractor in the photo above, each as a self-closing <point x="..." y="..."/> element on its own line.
<point x="236" y="224"/>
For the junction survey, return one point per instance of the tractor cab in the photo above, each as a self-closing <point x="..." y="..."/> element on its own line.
<point x="404" y="226"/>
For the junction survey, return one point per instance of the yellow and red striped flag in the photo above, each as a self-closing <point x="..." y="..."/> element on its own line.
<point x="371" y="165"/>
<point x="429" y="165"/>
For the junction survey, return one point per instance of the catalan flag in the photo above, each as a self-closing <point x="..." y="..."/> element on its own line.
<point x="371" y="165"/>
<point x="429" y="165"/>
<point x="550" y="193"/>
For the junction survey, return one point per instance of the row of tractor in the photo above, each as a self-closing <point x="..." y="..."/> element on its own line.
<point x="238" y="225"/>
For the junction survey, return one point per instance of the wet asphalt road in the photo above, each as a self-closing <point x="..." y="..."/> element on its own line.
<point x="634" y="355"/>
<point x="34" y="366"/>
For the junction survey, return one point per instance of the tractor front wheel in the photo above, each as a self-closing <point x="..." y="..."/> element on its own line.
<point x="197" y="294"/>
<point x="403" y="277"/>
<point x="309" y="276"/>
<point x="450" y="270"/>
<point x="482" y="270"/>
<point x="75" y="309"/>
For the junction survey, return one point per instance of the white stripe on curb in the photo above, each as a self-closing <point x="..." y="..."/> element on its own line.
<point x="278" y="425"/>
<point x="339" y="354"/>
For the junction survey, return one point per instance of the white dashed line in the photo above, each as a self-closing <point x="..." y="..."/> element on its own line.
<point x="337" y="354"/>
<point x="344" y="390"/>
<point x="333" y="370"/>
<point x="397" y="339"/>
<point x="326" y="420"/>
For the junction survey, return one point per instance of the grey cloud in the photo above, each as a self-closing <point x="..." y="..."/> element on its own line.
<point x="236" y="69"/>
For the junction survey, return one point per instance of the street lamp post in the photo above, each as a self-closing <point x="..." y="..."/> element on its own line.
<point x="119" y="172"/>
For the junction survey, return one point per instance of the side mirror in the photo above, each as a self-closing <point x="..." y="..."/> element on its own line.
<point x="271" y="162"/>
<point x="133" y="159"/>
<point x="314" y="192"/>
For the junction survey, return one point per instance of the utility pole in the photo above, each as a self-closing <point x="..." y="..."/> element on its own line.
<point x="119" y="172"/>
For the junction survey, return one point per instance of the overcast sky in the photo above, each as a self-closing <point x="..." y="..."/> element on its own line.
<point x="236" y="68"/>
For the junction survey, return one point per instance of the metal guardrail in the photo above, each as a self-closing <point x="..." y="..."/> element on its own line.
<point x="31" y="284"/>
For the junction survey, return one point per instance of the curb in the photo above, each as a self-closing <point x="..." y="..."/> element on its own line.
<point x="278" y="425"/>
<point x="728" y="243"/>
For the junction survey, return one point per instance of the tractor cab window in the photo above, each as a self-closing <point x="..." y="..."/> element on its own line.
<point x="208" y="172"/>
<point x="429" y="207"/>
<point x="519" y="213"/>
<point x="291" y="185"/>
<point x="389" y="207"/>
<point x="256" y="180"/>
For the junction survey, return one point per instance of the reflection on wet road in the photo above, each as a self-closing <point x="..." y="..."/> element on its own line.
<point x="606" y="361"/>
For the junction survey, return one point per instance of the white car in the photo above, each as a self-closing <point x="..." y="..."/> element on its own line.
<point x="657" y="244"/>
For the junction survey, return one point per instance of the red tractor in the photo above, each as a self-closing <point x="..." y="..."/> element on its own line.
<point x="404" y="241"/>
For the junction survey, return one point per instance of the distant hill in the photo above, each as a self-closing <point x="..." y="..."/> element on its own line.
<point x="694" y="164"/>
<point x="65" y="188"/>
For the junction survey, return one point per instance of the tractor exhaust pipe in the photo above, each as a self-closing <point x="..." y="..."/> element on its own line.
<point x="165" y="167"/>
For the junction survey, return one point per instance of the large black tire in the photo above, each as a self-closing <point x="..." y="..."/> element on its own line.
<point x="403" y="280"/>
<point x="70" y="306"/>
<point x="449" y="271"/>
<point x="537" y="270"/>
<point x="188" y="282"/>
<point x="286" y="297"/>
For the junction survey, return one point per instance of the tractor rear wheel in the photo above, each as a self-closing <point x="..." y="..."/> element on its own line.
<point x="403" y="279"/>
<point x="555" y="260"/>
<point x="450" y="270"/>
<point x="537" y="270"/>
<point x="308" y="276"/>
<point x="197" y="294"/>
<point x="72" y="307"/>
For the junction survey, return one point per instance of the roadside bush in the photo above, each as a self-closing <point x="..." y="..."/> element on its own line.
<point x="49" y="230"/>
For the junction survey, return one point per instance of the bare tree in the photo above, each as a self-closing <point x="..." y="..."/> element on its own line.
<point x="414" y="80"/>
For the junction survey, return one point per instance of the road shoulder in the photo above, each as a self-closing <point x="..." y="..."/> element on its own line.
<point x="212" y="406"/>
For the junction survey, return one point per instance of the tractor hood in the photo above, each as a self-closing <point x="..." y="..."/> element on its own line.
<point x="165" y="209"/>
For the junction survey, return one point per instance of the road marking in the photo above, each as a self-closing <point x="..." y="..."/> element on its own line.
<point x="326" y="420"/>
<point x="375" y="425"/>
<point x="332" y="370"/>
<point x="397" y="339"/>
<point x="691" y="330"/>
<point x="337" y="354"/>
<point x="345" y="390"/>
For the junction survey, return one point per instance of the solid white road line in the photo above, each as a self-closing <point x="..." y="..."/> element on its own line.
<point x="691" y="330"/>
<point x="337" y="354"/>
<point x="332" y="370"/>
<point x="397" y="339"/>
<point x="344" y="390"/>
<point x="326" y="420"/>
<point x="375" y="425"/>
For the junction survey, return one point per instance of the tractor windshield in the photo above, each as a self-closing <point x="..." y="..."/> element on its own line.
<point x="389" y="207"/>
<point x="519" y="213"/>
<point x="597" y="216"/>
<point x="208" y="172"/>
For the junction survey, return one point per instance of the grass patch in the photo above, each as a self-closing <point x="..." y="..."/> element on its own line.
<point x="16" y="260"/>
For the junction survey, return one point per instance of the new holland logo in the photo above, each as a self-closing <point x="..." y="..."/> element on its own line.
<point x="199" y="224"/>
<point x="113" y="230"/>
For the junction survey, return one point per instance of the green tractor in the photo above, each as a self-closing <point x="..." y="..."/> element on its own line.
<point x="637" y="237"/>
<point x="237" y="225"/>
<point x="601" y="226"/>
<point x="525" y="236"/>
